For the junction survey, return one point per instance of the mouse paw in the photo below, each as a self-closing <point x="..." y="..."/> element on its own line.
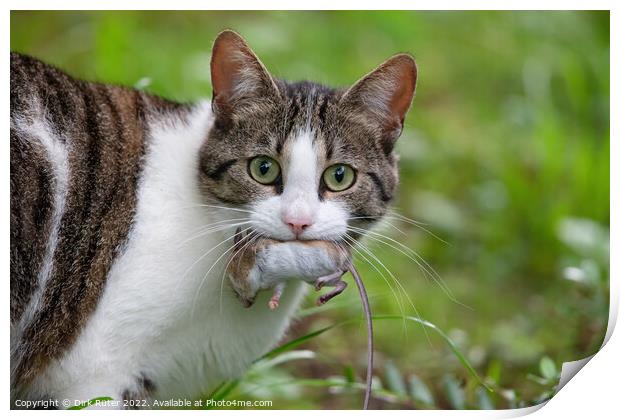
<point x="274" y="302"/>
<point x="328" y="280"/>
<point x="334" y="280"/>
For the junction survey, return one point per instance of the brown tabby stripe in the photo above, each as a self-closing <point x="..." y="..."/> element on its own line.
<point x="30" y="220"/>
<point x="381" y="190"/>
<point x="105" y="129"/>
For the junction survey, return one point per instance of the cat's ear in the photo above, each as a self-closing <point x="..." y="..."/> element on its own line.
<point x="384" y="96"/>
<point x="240" y="81"/>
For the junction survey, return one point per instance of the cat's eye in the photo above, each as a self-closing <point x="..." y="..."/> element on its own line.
<point x="264" y="169"/>
<point x="339" y="177"/>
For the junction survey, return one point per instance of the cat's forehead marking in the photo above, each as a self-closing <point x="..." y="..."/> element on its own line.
<point x="306" y="112"/>
<point x="301" y="167"/>
<point x="310" y="102"/>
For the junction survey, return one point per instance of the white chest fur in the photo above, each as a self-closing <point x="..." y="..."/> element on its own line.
<point x="159" y="316"/>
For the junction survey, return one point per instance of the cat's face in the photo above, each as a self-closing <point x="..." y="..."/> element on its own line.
<point x="306" y="160"/>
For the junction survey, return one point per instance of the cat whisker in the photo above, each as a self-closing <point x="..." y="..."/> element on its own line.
<point x="223" y="208"/>
<point x="213" y="229"/>
<point x="425" y="271"/>
<point x="417" y="224"/>
<point x="231" y="223"/>
<point x="393" y="215"/>
<point x="424" y="266"/>
<point x="204" y="278"/>
<point x="207" y="207"/>
<point x="209" y="251"/>
<point x="249" y="239"/>
<point x="393" y="226"/>
<point x="225" y="221"/>
<point x="403" y="219"/>
<point x="393" y="211"/>
<point x="387" y="282"/>
<point x="397" y="282"/>
<point x="383" y="220"/>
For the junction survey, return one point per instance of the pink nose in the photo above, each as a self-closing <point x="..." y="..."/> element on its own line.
<point x="298" y="225"/>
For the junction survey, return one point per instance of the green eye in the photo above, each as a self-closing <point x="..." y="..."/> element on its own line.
<point x="339" y="177"/>
<point x="264" y="169"/>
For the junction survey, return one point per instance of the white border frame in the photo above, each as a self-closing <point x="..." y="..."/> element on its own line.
<point x="593" y="393"/>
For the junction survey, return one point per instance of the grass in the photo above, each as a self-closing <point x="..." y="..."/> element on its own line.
<point x="263" y="380"/>
<point x="505" y="156"/>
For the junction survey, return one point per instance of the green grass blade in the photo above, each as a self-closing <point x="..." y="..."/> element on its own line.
<point x="225" y="389"/>
<point x="459" y="355"/>
<point x="453" y="347"/>
<point x="298" y="341"/>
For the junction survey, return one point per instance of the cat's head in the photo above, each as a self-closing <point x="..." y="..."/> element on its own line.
<point x="306" y="160"/>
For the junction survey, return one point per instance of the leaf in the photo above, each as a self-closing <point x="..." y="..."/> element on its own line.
<point x="89" y="403"/>
<point x="420" y="392"/>
<point x="349" y="374"/>
<point x="263" y="364"/>
<point x="143" y="83"/>
<point x="262" y="384"/>
<point x="454" y="392"/>
<point x="537" y="379"/>
<point x="483" y="399"/>
<point x="547" y="368"/>
<point x="394" y="379"/>
<point x="494" y="372"/>
<point x="510" y="395"/>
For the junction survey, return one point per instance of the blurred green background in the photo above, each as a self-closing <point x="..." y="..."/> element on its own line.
<point x="505" y="156"/>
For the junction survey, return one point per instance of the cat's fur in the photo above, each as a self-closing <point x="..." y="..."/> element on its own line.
<point x="114" y="291"/>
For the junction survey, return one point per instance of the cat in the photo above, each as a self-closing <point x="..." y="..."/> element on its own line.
<point x="124" y="206"/>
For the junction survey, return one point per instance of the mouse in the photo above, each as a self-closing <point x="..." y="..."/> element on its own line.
<point x="261" y="263"/>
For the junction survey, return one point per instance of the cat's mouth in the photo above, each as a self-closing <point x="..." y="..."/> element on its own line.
<point x="260" y="233"/>
<point x="255" y="235"/>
